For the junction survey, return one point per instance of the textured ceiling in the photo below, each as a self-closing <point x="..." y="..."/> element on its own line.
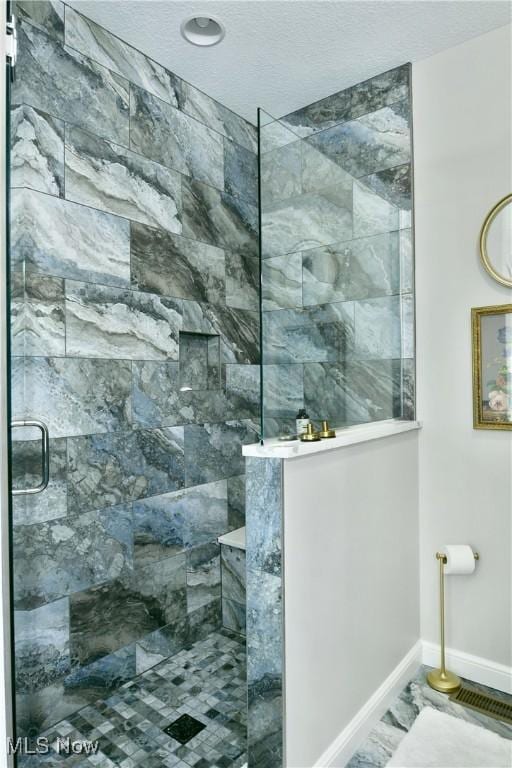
<point x="284" y="54"/>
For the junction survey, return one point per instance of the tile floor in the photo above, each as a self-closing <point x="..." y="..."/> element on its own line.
<point x="206" y="682"/>
<point x="387" y="734"/>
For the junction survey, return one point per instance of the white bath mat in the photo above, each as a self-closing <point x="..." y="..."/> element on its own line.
<point x="437" y="740"/>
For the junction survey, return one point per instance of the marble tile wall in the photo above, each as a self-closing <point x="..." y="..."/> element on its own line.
<point x="337" y="270"/>
<point x="233" y="588"/>
<point x="135" y="335"/>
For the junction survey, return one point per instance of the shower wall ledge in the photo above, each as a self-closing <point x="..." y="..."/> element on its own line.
<point x="360" y="433"/>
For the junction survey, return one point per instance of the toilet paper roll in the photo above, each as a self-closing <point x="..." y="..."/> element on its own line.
<point x="460" y="559"/>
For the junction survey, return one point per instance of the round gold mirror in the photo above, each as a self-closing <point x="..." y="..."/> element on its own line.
<point x="496" y="241"/>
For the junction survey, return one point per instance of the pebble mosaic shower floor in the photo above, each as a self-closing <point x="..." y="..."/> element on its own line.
<point x="205" y="682"/>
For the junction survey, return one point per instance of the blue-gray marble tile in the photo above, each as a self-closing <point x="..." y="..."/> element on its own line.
<point x="233" y="573"/>
<point x="408" y="325"/>
<point x="214" y="451"/>
<point x="67" y="240"/>
<point x="372" y="391"/>
<point x="213" y="114"/>
<point x="109" y="616"/>
<point x="393" y="185"/>
<point x="194" y="361"/>
<point x="283" y="391"/>
<point x="26" y="468"/>
<point x="372" y="214"/>
<point x="37" y="315"/>
<point x="378" y="328"/>
<point x="168" y="136"/>
<point x="315" y="334"/>
<point x="408" y="389"/>
<point x="367" y="267"/>
<point x="171" y="523"/>
<point x="114" y="179"/>
<point x="74" y="396"/>
<point x="42" y="645"/>
<point x="219" y="218"/>
<point x="161" y="644"/>
<point x="281" y="279"/>
<point x="238" y="329"/>
<point x="236" y="501"/>
<point x="46" y="15"/>
<point x="233" y="615"/>
<point x="240" y="171"/>
<point x="406" y="261"/>
<point x="374" y="142"/>
<point x="204" y="621"/>
<point x="112" y="52"/>
<point x="112" y="468"/>
<point x="264" y="669"/>
<point x="281" y="171"/>
<point x="68" y="85"/>
<point x="203" y="576"/>
<point x="115" y="323"/>
<point x="171" y="265"/>
<point x="103" y="676"/>
<point x="37" y="711"/>
<point x="325" y="389"/>
<point x="157" y="400"/>
<point x="242" y="281"/>
<point x="264" y="500"/>
<point x="55" y="558"/>
<point x="274" y="134"/>
<point x="308" y="221"/>
<point x="320" y="170"/>
<point x="37" y="151"/>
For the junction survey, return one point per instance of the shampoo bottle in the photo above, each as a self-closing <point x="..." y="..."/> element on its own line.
<point x="301" y="421"/>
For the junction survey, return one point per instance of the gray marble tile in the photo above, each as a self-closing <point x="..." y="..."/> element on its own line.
<point x="203" y="576"/>
<point x="108" y="469"/>
<point x="308" y="221"/>
<point x="37" y="711"/>
<point x="67" y="240"/>
<point x="112" y="52"/>
<point x="46" y="15"/>
<point x="281" y="171"/>
<point x="242" y="281"/>
<point x="218" y="218"/>
<point x="114" y="179"/>
<point x="238" y="329"/>
<point x="378" y="329"/>
<point x="170" y="265"/>
<point x="26" y="463"/>
<point x="320" y="170"/>
<point x="264" y="516"/>
<point x="157" y="400"/>
<point x="283" y="391"/>
<point x="408" y="325"/>
<point x="314" y="334"/>
<point x="406" y="261"/>
<point x="73" y="396"/>
<point x="233" y="615"/>
<point x="371" y="143"/>
<point x="240" y="172"/>
<point x="274" y="134"/>
<point x="325" y="390"/>
<point x="213" y="114"/>
<point x="408" y="389"/>
<point x="367" y="267"/>
<point x="382" y="90"/>
<point x="67" y="85"/>
<point x="204" y="621"/>
<point x="194" y="366"/>
<point x="115" y="323"/>
<point x="236" y="501"/>
<point x="171" y="523"/>
<point x="168" y="136"/>
<point x="373" y="214"/>
<point x="214" y="451"/>
<point x="233" y="573"/>
<point x="372" y="391"/>
<point x="160" y="645"/>
<point x="393" y="185"/>
<point x="281" y="279"/>
<point x="42" y="645"/>
<point x="37" y="315"/>
<point x="112" y="615"/>
<point x="56" y="558"/>
<point x="37" y="151"/>
<point x="103" y="676"/>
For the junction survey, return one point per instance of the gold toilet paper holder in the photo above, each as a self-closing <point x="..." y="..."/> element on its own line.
<point x="442" y="679"/>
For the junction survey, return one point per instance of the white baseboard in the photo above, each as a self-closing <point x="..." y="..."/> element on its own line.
<point x="471" y="667"/>
<point x="343" y="747"/>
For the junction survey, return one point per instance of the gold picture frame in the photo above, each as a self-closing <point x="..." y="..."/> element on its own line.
<point x="492" y="366"/>
<point x="485" y="256"/>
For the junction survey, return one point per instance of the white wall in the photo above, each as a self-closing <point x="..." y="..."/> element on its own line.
<point x="351" y="583"/>
<point x="462" y="144"/>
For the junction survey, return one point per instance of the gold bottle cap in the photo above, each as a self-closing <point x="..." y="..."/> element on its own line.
<point x="326" y="431"/>
<point x="310" y="436"/>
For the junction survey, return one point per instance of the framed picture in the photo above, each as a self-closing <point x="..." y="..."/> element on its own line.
<point x="492" y="367"/>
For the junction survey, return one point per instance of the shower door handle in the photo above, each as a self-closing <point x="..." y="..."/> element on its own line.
<point x="45" y="444"/>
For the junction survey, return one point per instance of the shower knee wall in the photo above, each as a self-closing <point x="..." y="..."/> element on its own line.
<point x="135" y="330"/>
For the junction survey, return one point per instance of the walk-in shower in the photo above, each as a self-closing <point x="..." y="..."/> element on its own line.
<point x="158" y="242"/>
